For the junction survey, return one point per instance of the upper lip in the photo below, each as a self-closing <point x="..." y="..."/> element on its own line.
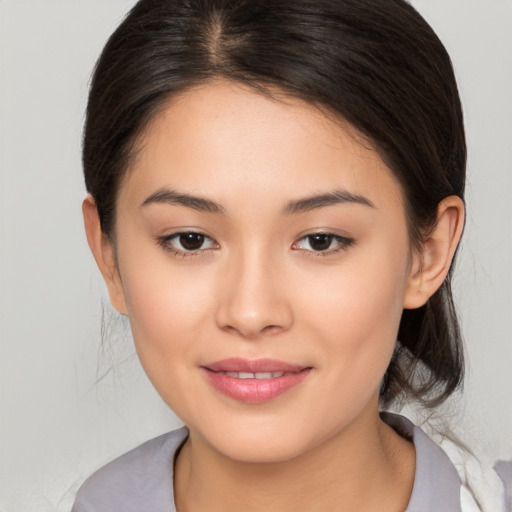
<point x="237" y="364"/>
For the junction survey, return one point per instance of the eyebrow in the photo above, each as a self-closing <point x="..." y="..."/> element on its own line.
<point x="307" y="204"/>
<point x="166" y="196"/>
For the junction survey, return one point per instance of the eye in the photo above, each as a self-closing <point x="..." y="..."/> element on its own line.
<point x="327" y="243"/>
<point x="187" y="242"/>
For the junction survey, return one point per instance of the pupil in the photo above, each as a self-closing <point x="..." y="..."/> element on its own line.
<point x="320" y="242"/>
<point x="191" y="241"/>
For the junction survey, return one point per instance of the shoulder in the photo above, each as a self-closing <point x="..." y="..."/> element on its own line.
<point x="448" y="477"/>
<point x="140" y="479"/>
<point x="436" y="481"/>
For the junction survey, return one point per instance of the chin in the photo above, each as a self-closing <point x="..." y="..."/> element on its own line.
<point x="261" y="450"/>
<point x="260" y="440"/>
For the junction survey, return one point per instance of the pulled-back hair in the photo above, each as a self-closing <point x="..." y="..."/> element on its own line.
<point x="374" y="63"/>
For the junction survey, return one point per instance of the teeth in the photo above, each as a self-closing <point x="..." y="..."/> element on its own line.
<point x="263" y="375"/>
<point x="258" y="375"/>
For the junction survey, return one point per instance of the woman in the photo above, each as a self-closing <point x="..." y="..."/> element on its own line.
<point x="276" y="197"/>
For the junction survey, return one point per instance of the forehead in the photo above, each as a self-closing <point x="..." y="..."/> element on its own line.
<point x="225" y="137"/>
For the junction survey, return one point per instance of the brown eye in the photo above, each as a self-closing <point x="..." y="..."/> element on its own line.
<point x="187" y="243"/>
<point x="191" y="241"/>
<point x="320" y="242"/>
<point x="324" y="244"/>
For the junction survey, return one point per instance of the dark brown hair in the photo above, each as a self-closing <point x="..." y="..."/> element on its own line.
<point x="374" y="63"/>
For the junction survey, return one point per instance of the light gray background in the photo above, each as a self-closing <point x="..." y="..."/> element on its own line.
<point x="56" y="423"/>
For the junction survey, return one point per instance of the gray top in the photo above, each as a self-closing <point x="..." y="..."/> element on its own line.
<point x="142" y="479"/>
<point x="504" y="470"/>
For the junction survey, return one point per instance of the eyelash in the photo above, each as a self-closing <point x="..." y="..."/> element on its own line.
<point x="166" y="242"/>
<point x="343" y="243"/>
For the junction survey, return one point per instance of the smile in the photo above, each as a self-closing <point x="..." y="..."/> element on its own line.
<point x="256" y="381"/>
<point x="258" y="375"/>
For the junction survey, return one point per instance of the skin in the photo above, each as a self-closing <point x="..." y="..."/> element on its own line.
<point x="257" y="289"/>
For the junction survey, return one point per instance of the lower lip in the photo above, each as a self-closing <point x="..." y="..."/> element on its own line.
<point x="254" y="391"/>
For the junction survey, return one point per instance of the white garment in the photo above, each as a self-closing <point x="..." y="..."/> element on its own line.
<point x="482" y="489"/>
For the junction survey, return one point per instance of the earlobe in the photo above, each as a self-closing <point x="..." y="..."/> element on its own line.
<point x="431" y="264"/>
<point x="103" y="252"/>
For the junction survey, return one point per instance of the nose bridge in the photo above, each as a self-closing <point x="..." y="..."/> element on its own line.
<point x="253" y="299"/>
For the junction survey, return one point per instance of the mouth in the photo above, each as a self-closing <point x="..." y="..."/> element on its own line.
<point x="257" y="375"/>
<point x="254" y="381"/>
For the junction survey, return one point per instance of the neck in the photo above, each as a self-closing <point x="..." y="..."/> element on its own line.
<point x="365" y="467"/>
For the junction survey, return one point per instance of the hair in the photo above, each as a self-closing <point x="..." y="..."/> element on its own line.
<point x="376" y="64"/>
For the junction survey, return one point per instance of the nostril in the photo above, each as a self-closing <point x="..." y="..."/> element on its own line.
<point x="271" y="329"/>
<point x="250" y="307"/>
<point x="253" y="333"/>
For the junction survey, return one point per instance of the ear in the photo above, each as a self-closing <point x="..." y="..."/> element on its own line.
<point x="104" y="254"/>
<point x="431" y="264"/>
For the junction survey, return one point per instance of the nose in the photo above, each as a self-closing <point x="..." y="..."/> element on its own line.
<point x="252" y="298"/>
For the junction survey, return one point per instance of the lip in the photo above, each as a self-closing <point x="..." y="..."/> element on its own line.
<point x="254" y="390"/>
<point x="238" y="364"/>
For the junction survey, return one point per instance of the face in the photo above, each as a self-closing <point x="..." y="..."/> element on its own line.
<point x="263" y="260"/>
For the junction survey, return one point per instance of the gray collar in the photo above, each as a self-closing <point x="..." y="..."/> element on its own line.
<point x="436" y="482"/>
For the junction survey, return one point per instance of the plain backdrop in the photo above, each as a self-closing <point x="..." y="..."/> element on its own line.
<point x="66" y="405"/>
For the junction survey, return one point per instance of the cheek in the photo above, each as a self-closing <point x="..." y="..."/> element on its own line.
<point x="357" y="310"/>
<point x="365" y="294"/>
<point x="168" y="312"/>
<point x="167" y="306"/>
